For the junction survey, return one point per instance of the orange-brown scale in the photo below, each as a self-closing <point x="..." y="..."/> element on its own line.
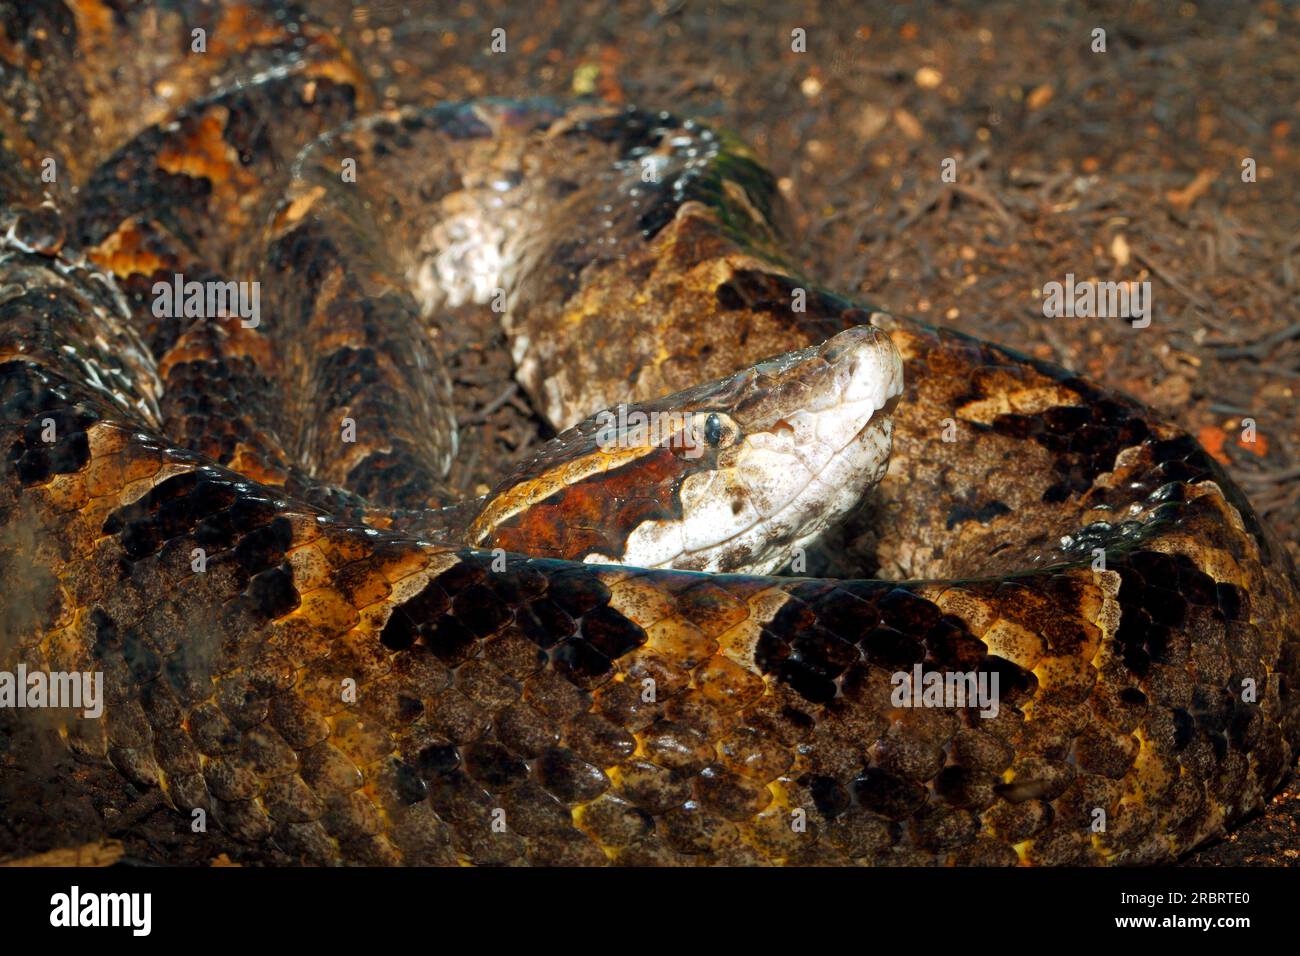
<point x="81" y="119"/>
<point x="178" y="197"/>
<point x="154" y="215"/>
<point x="597" y="513"/>
<point x="220" y="397"/>
<point x="360" y="373"/>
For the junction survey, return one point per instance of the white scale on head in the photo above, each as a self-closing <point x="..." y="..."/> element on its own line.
<point x="782" y="486"/>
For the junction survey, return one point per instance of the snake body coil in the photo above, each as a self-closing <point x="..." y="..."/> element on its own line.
<point x="354" y="676"/>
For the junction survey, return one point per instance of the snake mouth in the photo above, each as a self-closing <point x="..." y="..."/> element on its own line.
<point x="815" y="436"/>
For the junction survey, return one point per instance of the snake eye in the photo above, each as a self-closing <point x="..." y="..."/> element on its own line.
<point x="713" y="430"/>
<point x="710" y="430"/>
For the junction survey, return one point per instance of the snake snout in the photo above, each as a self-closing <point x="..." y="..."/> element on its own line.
<point x="867" y="366"/>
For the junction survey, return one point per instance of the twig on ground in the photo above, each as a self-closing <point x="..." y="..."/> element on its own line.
<point x="1258" y="348"/>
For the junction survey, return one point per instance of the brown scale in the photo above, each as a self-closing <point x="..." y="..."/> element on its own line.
<point x="520" y="696"/>
<point x="177" y="200"/>
<point x="595" y="514"/>
<point x="98" y="50"/>
<point x="218" y="391"/>
<point x="363" y="364"/>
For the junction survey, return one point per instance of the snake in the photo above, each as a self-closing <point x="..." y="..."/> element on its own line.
<point x="238" y="517"/>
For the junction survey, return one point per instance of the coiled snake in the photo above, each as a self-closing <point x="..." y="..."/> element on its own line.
<point x="238" y="519"/>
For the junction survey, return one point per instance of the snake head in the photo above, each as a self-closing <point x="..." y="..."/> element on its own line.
<point x="733" y="475"/>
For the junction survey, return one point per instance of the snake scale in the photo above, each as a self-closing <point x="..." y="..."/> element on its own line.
<point x="510" y="701"/>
